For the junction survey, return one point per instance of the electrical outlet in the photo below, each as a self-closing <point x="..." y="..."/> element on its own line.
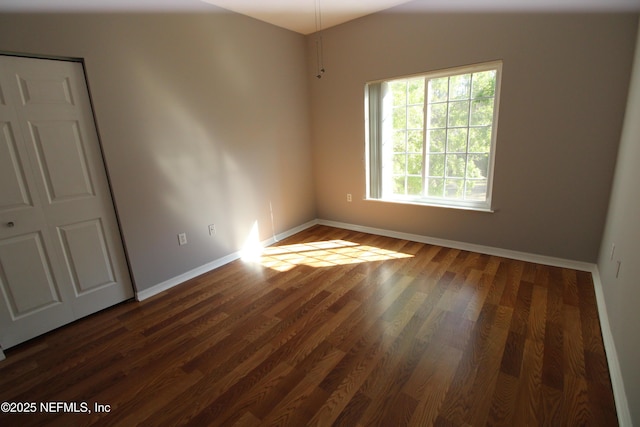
<point x="182" y="239"/>
<point x="212" y="229"/>
<point x="349" y="198"/>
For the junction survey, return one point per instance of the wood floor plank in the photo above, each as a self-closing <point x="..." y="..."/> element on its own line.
<point x="256" y="395"/>
<point x="487" y="378"/>
<point x="430" y="383"/>
<point x="536" y="323"/>
<point x="247" y="420"/>
<point x="576" y="399"/>
<point x="521" y="309"/>
<point x="570" y="296"/>
<point x="391" y="373"/>
<point x="502" y="410"/>
<point x="573" y="348"/>
<point x="552" y="405"/>
<point x="333" y="327"/>
<point x="298" y="387"/>
<point x="512" y="273"/>
<point x="352" y="413"/>
<point x="530" y="385"/>
<point x="352" y="373"/>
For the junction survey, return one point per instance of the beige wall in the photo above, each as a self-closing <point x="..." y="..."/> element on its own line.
<point x="564" y="86"/>
<point x="622" y="294"/>
<point x="203" y="119"/>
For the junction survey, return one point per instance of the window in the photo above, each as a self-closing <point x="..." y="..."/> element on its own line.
<point x="431" y="137"/>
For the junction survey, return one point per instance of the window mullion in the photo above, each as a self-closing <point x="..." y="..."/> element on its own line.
<point x="406" y="138"/>
<point x="425" y="139"/>
<point x="446" y="140"/>
<point x="466" y="154"/>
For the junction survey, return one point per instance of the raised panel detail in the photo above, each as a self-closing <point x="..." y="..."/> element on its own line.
<point x="13" y="190"/>
<point x="25" y="275"/>
<point x="62" y="160"/>
<point x="45" y="91"/>
<point x="86" y="255"/>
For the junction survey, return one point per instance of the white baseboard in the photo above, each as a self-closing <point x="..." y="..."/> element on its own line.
<point x="622" y="405"/>
<point x="488" y="250"/>
<point x="174" y="281"/>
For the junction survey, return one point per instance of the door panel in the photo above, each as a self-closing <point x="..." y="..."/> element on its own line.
<point x="31" y="297"/>
<point x="87" y="256"/>
<point x="63" y="257"/>
<point x="42" y="90"/>
<point x="13" y="188"/>
<point x="26" y="276"/>
<point x="61" y="159"/>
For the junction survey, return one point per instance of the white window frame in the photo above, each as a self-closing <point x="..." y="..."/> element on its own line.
<point x="375" y="140"/>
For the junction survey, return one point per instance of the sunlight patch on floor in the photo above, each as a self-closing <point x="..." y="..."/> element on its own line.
<point x="324" y="254"/>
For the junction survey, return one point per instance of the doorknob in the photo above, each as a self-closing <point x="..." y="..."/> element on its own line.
<point x="10" y="224"/>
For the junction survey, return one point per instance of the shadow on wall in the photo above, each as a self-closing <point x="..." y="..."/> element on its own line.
<point x="202" y="177"/>
<point x="209" y="123"/>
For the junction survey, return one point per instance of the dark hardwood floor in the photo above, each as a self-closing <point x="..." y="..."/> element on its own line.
<point x="332" y="327"/>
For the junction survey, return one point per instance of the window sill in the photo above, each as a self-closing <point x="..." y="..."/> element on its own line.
<point x="432" y="205"/>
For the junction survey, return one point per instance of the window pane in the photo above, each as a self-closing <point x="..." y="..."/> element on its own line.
<point x="480" y="139"/>
<point x="436" y="187"/>
<point x="437" y="115"/>
<point x="399" y="164"/>
<point x="414" y="141"/>
<point x="399" y="92"/>
<point x="398" y="184"/>
<point x="478" y="166"/>
<point x="414" y="185"/>
<point x="476" y="190"/>
<point x="482" y="112"/>
<point x="484" y="84"/>
<point x="436" y="165"/>
<point x="453" y="188"/>
<point x="457" y="140"/>
<point x="414" y="164"/>
<point x="416" y="91"/>
<point x="436" y="140"/>
<point x="399" y="144"/>
<point x="399" y="118"/>
<point x="433" y="137"/>
<point x="416" y="117"/>
<point x="459" y="113"/>
<point x="459" y="86"/>
<point x="456" y="165"/>
<point x="438" y="89"/>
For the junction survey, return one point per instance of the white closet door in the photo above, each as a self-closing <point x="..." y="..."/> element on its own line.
<point x="61" y="256"/>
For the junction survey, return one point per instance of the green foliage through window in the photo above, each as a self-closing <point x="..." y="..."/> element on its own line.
<point x="441" y="134"/>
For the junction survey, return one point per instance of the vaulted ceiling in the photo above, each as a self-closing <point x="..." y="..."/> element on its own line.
<point x="301" y="16"/>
